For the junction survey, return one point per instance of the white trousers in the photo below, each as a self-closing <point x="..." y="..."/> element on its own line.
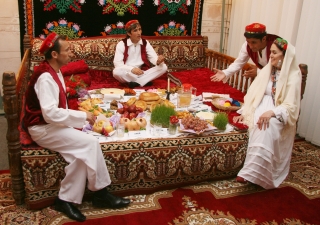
<point x="83" y="153"/>
<point x="123" y="76"/>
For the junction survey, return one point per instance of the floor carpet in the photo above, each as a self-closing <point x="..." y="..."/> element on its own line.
<point x="297" y="201"/>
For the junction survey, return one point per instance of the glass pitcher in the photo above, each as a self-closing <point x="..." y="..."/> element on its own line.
<point x="185" y="95"/>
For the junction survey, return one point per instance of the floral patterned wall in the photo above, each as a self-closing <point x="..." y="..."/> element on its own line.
<point x="87" y="18"/>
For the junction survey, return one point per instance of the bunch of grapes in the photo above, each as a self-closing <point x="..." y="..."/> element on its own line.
<point x="194" y="123"/>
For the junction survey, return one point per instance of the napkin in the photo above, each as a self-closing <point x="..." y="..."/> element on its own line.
<point x="110" y="97"/>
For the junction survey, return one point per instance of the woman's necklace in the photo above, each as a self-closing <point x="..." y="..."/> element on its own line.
<point x="274" y="78"/>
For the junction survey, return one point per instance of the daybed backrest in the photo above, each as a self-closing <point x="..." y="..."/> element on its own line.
<point x="185" y="52"/>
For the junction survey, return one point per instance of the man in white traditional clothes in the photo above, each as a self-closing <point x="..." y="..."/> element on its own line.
<point x="256" y="47"/>
<point x="271" y="109"/>
<point x="50" y="124"/>
<point x="133" y="56"/>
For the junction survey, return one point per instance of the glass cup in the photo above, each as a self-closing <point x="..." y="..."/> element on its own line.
<point x="172" y="129"/>
<point x="120" y="130"/>
<point x="157" y="128"/>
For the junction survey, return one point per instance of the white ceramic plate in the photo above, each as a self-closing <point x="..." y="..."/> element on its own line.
<point x="205" y="115"/>
<point x="110" y="91"/>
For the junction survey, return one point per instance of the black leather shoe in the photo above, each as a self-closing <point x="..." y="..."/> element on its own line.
<point x="104" y="199"/>
<point x="133" y="85"/>
<point x="69" y="209"/>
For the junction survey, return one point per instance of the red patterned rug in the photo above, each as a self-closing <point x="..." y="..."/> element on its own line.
<point x="297" y="201"/>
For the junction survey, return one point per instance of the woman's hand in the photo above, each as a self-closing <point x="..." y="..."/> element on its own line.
<point x="218" y="76"/>
<point x="137" y="71"/>
<point x="264" y="119"/>
<point x="238" y="119"/>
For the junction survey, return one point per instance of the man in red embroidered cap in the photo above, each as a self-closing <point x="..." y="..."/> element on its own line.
<point x="256" y="47"/>
<point x="133" y="56"/>
<point x="50" y="124"/>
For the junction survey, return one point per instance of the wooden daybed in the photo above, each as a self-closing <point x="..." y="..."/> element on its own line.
<point x="136" y="167"/>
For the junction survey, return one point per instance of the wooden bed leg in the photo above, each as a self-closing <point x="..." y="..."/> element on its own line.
<point x="10" y="102"/>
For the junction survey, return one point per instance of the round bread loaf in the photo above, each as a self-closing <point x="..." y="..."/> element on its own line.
<point x="149" y="96"/>
<point x="142" y="104"/>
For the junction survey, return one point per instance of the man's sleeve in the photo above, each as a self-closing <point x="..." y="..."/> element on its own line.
<point x="240" y="61"/>
<point x="152" y="55"/>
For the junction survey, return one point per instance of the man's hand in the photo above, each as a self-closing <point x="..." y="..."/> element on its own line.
<point x="219" y="76"/>
<point x="264" y="119"/>
<point x="137" y="71"/>
<point x="160" y="59"/>
<point x="90" y="118"/>
<point x="238" y="119"/>
<point x="251" y="72"/>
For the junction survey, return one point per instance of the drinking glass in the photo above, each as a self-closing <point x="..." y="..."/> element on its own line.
<point x="172" y="129"/>
<point x="157" y="127"/>
<point x="120" y="130"/>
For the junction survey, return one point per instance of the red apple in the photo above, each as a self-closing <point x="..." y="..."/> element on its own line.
<point x="125" y="107"/>
<point x="132" y="108"/>
<point x="139" y="110"/>
<point x="126" y="114"/>
<point x="120" y="110"/>
<point x="132" y="115"/>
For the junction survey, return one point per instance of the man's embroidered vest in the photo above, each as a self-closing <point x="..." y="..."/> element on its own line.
<point x="144" y="55"/>
<point x="33" y="114"/>
<point x="254" y="55"/>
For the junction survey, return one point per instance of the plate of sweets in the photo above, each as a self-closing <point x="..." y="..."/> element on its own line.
<point x="193" y="124"/>
<point x="227" y="104"/>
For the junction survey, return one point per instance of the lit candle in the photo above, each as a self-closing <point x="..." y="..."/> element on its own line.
<point x="168" y="89"/>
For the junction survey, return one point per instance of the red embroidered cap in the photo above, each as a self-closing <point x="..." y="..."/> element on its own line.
<point x="129" y="23"/>
<point x="48" y="43"/>
<point x="255" y="28"/>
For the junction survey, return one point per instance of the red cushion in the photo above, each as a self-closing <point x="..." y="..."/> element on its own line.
<point x="72" y="68"/>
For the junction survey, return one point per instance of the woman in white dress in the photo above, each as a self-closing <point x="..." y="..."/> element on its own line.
<point x="271" y="109"/>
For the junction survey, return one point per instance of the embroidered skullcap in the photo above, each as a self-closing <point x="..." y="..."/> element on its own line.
<point x="255" y="28"/>
<point x="48" y="43"/>
<point x="129" y="23"/>
<point x="281" y="43"/>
